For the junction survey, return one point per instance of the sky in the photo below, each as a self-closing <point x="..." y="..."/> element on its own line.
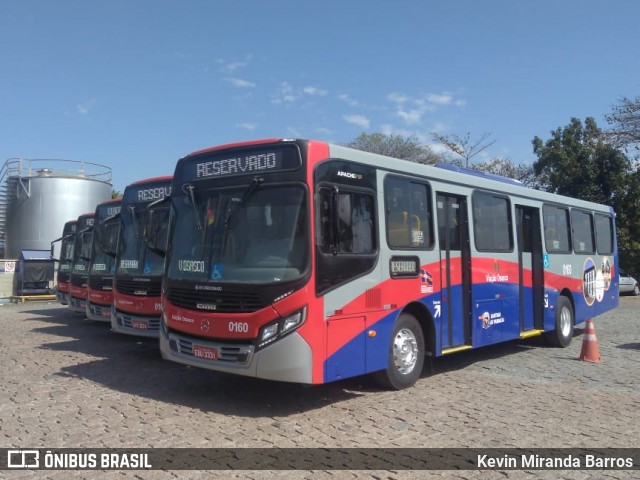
<point x="135" y="85"/>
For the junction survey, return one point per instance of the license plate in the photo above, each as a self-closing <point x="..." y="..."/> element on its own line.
<point x="207" y="353"/>
<point x="139" y="325"/>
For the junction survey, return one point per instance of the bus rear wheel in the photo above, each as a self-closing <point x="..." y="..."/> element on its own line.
<point x="563" y="333"/>
<point x="406" y="355"/>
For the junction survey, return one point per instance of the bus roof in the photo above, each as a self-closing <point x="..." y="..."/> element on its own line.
<point x="167" y="178"/>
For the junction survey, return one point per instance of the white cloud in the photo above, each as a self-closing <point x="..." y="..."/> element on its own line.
<point x="230" y="66"/>
<point x="239" y="82"/>
<point x="396" y="97"/>
<point x="314" y="91"/>
<point x="247" y="126"/>
<point x="85" y="107"/>
<point x="359" y="120"/>
<point x="444" y="98"/>
<point x="285" y="94"/>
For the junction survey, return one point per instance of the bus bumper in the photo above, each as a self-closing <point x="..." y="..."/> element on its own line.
<point x="138" y="325"/>
<point x="287" y="360"/>
<point x="78" y="305"/>
<point x="97" y="312"/>
<point x="62" y="297"/>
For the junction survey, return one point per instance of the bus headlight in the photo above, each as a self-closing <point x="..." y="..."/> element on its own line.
<point x="271" y="332"/>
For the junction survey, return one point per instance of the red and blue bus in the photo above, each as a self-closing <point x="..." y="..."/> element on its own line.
<point x="102" y="264"/>
<point x="136" y="288"/>
<point x="65" y="262"/>
<point x="81" y="263"/>
<point x="308" y="262"/>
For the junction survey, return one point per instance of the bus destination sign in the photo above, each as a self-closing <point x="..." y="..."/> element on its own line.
<point x="241" y="164"/>
<point x="238" y="162"/>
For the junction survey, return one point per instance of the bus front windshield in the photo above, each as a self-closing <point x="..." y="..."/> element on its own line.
<point x="134" y="258"/>
<point x="82" y="251"/>
<point x="253" y="234"/>
<point x="105" y="239"/>
<point x="66" y="253"/>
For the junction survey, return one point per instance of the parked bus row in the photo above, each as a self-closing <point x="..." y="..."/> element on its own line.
<point x="308" y="262"/>
<point x="106" y="271"/>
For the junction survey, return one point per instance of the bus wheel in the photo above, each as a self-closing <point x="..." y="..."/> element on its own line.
<point x="563" y="333"/>
<point x="406" y="355"/>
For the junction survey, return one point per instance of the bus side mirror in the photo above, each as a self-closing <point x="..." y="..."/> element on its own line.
<point x="52" y="252"/>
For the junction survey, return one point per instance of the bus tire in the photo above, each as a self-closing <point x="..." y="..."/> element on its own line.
<point x="406" y="355"/>
<point x="565" y="320"/>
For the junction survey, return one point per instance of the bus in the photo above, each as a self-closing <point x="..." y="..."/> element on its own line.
<point x="65" y="262"/>
<point x="136" y="288"/>
<point x="81" y="262"/>
<point x="102" y="264"/>
<point x="308" y="262"/>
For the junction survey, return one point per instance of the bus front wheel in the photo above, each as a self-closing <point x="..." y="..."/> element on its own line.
<point x="563" y="333"/>
<point x="406" y="355"/>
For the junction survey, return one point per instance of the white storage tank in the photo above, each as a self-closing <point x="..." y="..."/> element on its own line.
<point x="39" y="196"/>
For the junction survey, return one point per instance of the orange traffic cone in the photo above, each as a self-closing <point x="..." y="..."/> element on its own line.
<point x="590" y="351"/>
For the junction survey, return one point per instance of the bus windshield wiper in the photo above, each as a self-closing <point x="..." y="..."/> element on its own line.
<point x="188" y="188"/>
<point x="233" y="208"/>
<point x="235" y="205"/>
<point x="134" y="217"/>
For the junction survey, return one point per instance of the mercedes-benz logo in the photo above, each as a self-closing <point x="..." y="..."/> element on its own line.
<point x="204" y="325"/>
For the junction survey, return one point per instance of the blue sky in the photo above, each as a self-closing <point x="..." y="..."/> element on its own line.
<point x="137" y="84"/>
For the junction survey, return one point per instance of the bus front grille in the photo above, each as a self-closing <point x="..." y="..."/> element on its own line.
<point x="219" y="302"/>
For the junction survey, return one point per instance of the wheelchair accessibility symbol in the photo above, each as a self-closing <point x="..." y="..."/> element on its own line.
<point x="216" y="271"/>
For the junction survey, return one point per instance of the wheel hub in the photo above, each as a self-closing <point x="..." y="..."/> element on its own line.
<point x="405" y="351"/>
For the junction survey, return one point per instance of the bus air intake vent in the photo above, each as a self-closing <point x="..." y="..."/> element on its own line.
<point x="147" y="289"/>
<point x="79" y="280"/>
<point x="219" y="302"/>
<point x="373" y="298"/>
<point x="97" y="283"/>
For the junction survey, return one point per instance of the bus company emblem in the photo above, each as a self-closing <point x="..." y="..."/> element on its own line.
<point x="204" y="325"/>
<point x="351" y="175"/>
<point x="426" y="281"/>
<point x="207" y="306"/>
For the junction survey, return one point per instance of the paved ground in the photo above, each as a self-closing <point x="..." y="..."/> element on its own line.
<point x="67" y="382"/>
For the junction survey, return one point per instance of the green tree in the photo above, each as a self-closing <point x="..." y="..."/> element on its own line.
<point x="578" y="161"/>
<point x="396" y="146"/>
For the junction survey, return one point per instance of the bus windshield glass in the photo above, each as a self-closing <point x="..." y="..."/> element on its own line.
<point x="135" y="257"/>
<point x="82" y="251"/>
<point x="253" y="234"/>
<point x="105" y="239"/>
<point x="66" y="253"/>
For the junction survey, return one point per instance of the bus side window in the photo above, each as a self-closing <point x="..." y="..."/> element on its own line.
<point x="492" y="222"/>
<point x="408" y="214"/>
<point x="355" y="225"/>
<point x="582" y="225"/>
<point x="556" y="229"/>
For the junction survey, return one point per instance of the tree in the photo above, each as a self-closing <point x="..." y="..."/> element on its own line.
<point x="464" y="146"/>
<point x="578" y="161"/>
<point x="396" y="146"/>
<point x="116" y="193"/>
<point x="506" y="168"/>
<point x="625" y="119"/>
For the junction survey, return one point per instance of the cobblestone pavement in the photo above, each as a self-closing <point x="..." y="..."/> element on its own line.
<point x="68" y="382"/>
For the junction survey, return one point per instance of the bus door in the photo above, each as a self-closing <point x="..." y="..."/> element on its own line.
<point x="455" y="301"/>
<point x="530" y="261"/>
